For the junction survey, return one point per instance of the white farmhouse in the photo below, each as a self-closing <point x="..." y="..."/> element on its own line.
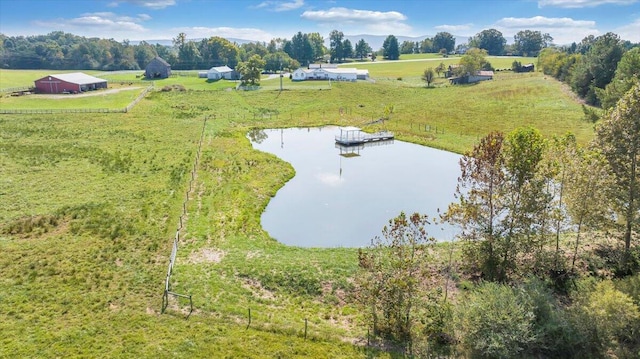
<point x="330" y="73"/>
<point x="220" y="72"/>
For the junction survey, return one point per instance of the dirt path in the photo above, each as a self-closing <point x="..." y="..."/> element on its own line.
<point x="89" y="94"/>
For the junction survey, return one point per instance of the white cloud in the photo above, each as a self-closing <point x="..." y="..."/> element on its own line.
<point x="103" y="24"/>
<point x="330" y="179"/>
<point x="151" y="4"/>
<point x="197" y="32"/>
<point x="541" y="21"/>
<point x="280" y="5"/>
<point x="630" y="32"/>
<point x="353" y="20"/>
<point x="572" y="4"/>
<point x="455" y="29"/>
<point x="564" y="30"/>
<point x="341" y="14"/>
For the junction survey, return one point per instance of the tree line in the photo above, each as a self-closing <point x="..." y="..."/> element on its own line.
<point x="62" y="51"/>
<point x="598" y="69"/>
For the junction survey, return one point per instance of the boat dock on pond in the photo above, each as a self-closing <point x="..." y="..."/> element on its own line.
<point x="350" y="136"/>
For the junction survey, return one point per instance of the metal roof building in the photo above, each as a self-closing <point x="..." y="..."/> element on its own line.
<point x="69" y="83"/>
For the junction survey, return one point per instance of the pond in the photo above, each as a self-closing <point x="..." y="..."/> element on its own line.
<point x="344" y="196"/>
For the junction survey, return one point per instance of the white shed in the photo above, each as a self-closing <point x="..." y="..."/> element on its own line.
<point x="220" y="72"/>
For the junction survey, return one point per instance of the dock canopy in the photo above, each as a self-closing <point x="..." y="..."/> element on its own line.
<point x="354" y="136"/>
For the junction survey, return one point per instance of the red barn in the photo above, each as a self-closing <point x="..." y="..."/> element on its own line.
<point x="69" y="83"/>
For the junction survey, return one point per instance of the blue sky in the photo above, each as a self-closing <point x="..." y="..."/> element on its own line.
<point x="261" y="20"/>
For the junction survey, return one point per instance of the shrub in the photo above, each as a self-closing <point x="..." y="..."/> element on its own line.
<point x="556" y="337"/>
<point x="495" y="323"/>
<point x="613" y="312"/>
<point x="631" y="287"/>
<point x="607" y="319"/>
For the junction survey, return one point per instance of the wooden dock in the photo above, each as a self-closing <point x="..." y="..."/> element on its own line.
<point x="351" y="136"/>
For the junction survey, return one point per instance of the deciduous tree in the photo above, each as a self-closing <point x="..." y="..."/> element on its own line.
<point x="618" y="137"/>
<point x="529" y="43"/>
<point x="586" y="194"/>
<point x="597" y="67"/>
<point x="444" y="40"/>
<point x="426" y="46"/>
<point x="407" y="47"/>
<point x="392" y="275"/>
<point x="627" y="74"/>
<point x="218" y="51"/>
<point x="490" y="40"/>
<point x="441" y="68"/>
<point x="472" y="61"/>
<point x="480" y="206"/>
<point x="525" y="197"/>
<point x="250" y="70"/>
<point x="428" y="75"/>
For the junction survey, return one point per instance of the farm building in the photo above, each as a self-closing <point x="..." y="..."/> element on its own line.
<point x="221" y="72"/>
<point x="469" y="79"/>
<point x="69" y="83"/>
<point x="527" y="68"/>
<point x="331" y="73"/>
<point x="157" y="68"/>
<point x="325" y="66"/>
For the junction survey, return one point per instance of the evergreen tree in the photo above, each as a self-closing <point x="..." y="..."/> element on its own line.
<point x="390" y="48"/>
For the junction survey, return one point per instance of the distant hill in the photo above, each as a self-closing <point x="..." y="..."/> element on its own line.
<point x="169" y="42"/>
<point x="376" y="41"/>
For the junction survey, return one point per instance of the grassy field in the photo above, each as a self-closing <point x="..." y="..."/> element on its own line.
<point x="90" y="205"/>
<point x="99" y="99"/>
<point x="414" y="65"/>
<point x="502" y="104"/>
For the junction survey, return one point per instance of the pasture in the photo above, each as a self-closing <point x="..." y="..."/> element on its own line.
<point x="90" y="205"/>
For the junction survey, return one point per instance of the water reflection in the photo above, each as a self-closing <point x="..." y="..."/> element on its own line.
<point x="343" y="196"/>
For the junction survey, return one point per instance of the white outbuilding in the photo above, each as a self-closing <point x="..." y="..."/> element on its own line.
<point x="330" y="73"/>
<point x="220" y="72"/>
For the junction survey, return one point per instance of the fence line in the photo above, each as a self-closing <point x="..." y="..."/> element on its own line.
<point x="135" y="102"/>
<point x="16" y="89"/>
<point x="174" y="247"/>
<point x="60" y="110"/>
<point x="78" y="110"/>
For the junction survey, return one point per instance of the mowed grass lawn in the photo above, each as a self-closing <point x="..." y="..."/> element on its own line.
<point x="90" y="205"/>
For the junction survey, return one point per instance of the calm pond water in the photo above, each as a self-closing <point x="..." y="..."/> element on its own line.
<point x="343" y="198"/>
